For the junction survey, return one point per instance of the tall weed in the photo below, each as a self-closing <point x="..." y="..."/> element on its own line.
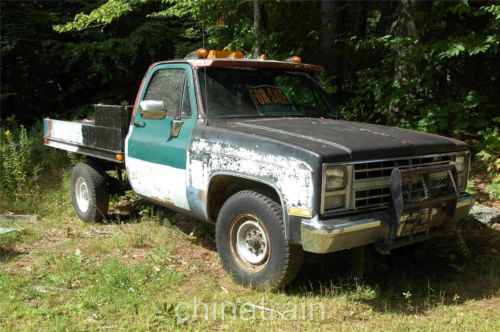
<point x="489" y="154"/>
<point x="18" y="173"/>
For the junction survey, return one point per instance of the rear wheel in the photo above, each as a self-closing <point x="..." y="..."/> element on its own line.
<point x="251" y="241"/>
<point x="89" y="192"/>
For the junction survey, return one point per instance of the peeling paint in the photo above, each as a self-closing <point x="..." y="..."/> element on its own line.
<point x="160" y="182"/>
<point x="202" y="196"/>
<point x="66" y="131"/>
<point x="164" y="200"/>
<point x="375" y="132"/>
<point x="292" y="177"/>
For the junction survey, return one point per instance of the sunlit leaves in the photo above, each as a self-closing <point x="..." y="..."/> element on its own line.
<point x="102" y="15"/>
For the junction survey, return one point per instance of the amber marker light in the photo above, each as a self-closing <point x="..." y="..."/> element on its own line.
<point x="202" y="53"/>
<point x="306" y="213"/>
<point x="119" y="156"/>
<point x="262" y="57"/>
<point x="296" y="59"/>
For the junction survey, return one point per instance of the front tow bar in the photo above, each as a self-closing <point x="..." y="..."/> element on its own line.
<point x="398" y="203"/>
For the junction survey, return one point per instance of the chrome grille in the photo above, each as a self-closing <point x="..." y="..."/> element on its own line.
<point x="372" y="178"/>
<point x="372" y="197"/>
<point x="379" y="169"/>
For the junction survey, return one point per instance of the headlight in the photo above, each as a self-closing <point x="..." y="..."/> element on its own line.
<point x="335" y="178"/>
<point x="334" y="202"/>
<point x="460" y="163"/>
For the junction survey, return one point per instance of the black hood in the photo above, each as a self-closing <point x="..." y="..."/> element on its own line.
<point x="338" y="140"/>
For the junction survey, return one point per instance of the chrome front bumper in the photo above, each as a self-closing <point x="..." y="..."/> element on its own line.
<point x="324" y="236"/>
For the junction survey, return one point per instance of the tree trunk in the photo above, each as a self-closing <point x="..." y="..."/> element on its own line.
<point x="360" y="20"/>
<point x="329" y="28"/>
<point x="386" y="15"/>
<point x="257" y="26"/>
<point x="405" y="27"/>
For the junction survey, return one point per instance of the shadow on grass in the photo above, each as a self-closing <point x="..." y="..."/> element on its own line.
<point x="202" y="234"/>
<point x="8" y="254"/>
<point x="117" y="218"/>
<point x="449" y="270"/>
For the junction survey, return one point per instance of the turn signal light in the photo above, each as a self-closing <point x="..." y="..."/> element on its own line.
<point x="119" y="156"/>
<point x="202" y="53"/>
<point x="218" y="54"/>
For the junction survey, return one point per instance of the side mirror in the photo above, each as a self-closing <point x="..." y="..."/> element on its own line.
<point x="153" y="109"/>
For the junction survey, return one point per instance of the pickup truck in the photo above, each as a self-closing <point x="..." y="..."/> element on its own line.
<point x="255" y="147"/>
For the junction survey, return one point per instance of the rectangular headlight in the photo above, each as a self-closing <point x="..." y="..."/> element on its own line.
<point x="460" y="163"/>
<point x="335" y="178"/>
<point x="334" y="202"/>
<point x="461" y="182"/>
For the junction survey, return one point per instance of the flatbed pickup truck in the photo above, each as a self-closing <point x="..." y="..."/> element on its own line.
<point x="254" y="147"/>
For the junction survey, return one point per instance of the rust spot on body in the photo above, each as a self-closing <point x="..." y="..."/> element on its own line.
<point x="164" y="200"/>
<point x="375" y="132"/>
<point x="202" y="195"/>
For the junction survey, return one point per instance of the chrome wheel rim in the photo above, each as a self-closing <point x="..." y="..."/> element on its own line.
<point x="250" y="242"/>
<point x="82" y="194"/>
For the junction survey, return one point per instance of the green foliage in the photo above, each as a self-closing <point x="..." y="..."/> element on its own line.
<point x="490" y="146"/>
<point x="432" y="66"/>
<point x="493" y="189"/>
<point x="490" y="152"/>
<point x="441" y="89"/>
<point x="104" y="14"/>
<point x="32" y="176"/>
<point x="18" y="173"/>
<point x="438" y="78"/>
<point x="46" y="73"/>
<point x="75" y="158"/>
<point x="8" y="239"/>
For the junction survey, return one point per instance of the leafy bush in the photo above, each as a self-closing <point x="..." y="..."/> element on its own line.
<point x="18" y="173"/>
<point x="490" y="149"/>
<point x="8" y="239"/>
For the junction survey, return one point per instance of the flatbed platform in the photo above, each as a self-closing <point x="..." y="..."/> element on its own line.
<point x="102" y="138"/>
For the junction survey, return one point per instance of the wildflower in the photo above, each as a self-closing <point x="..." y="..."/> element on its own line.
<point x="7" y="133"/>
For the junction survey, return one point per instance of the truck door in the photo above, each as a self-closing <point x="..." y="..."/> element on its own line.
<point x="156" y="154"/>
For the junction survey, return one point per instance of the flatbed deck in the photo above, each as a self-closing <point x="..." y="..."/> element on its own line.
<point x="103" y="138"/>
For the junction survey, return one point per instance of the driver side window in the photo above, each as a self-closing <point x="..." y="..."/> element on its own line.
<point x="168" y="85"/>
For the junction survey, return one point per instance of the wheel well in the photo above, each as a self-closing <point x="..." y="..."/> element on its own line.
<point x="222" y="187"/>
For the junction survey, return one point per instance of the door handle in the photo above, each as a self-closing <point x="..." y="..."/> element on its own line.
<point x="139" y="124"/>
<point x="175" y="127"/>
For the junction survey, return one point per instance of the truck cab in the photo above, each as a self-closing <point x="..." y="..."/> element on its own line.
<point x="256" y="148"/>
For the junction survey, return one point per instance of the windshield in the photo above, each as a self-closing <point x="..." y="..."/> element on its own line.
<point x="229" y="92"/>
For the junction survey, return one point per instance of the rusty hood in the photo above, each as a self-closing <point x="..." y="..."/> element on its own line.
<point x="339" y="140"/>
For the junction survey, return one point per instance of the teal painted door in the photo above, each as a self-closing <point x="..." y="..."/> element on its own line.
<point x="155" y="160"/>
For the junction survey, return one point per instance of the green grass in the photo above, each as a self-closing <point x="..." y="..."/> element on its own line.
<point x="147" y="273"/>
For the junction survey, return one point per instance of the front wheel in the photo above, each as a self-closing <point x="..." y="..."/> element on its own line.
<point x="89" y="192"/>
<point x="251" y="242"/>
